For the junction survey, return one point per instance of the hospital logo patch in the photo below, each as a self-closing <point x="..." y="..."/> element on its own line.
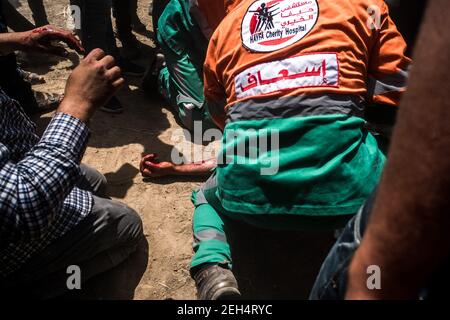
<point x="271" y="25"/>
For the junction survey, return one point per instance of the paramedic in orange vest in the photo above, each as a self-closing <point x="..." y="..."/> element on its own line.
<point x="288" y="82"/>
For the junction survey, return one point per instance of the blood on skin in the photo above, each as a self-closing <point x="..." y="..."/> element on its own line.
<point x="158" y="165"/>
<point x="42" y="29"/>
<point x="70" y="38"/>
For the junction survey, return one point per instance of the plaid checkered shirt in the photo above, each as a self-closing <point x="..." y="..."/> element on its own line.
<point x="38" y="199"/>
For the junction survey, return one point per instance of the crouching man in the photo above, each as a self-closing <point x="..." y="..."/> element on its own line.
<point x="297" y="76"/>
<point x="52" y="215"/>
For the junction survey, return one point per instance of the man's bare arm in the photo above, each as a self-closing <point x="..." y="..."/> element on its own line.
<point x="151" y="167"/>
<point x="44" y="39"/>
<point x="408" y="235"/>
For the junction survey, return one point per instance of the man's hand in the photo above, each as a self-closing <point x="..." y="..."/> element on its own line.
<point x="46" y="39"/>
<point x="91" y="85"/>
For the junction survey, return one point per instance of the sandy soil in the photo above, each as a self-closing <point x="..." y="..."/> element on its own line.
<point x="116" y="145"/>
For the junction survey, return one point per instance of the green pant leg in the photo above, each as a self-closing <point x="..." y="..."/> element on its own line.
<point x="164" y="84"/>
<point x="210" y="243"/>
<point x="184" y="47"/>
<point x="211" y="221"/>
<point x="185" y="106"/>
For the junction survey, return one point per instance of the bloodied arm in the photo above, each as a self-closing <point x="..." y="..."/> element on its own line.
<point x="215" y="98"/>
<point x="151" y="167"/>
<point x="44" y="39"/>
<point x="407" y="236"/>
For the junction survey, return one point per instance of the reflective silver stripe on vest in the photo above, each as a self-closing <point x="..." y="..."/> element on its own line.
<point x="209" y="184"/>
<point x="209" y="234"/>
<point x="200" y="198"/>
<point x="395" y="82"/>
<point x="198" y="16"/>
<point x="303" y="105"/>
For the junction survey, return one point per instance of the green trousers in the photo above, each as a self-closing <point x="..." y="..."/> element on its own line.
<point x="184" y="47"/>
<point x="211" y="223"/>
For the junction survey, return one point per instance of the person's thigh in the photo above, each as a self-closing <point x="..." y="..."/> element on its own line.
<point x="186" y="92"/>
<point x="181" y="84"/>
<point x="186" y="75"/>
<point x="184" y="48"/>
<point x="100" y="242"/>
<point x="92" y="180"/>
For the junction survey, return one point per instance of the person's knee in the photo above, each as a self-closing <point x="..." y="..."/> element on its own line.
<point x="130" y="226"/>
<point x="135" y="227"/>
<point x="123" y="221"/>
<point x="92" y="180"/>
<point x="100" y="184"/>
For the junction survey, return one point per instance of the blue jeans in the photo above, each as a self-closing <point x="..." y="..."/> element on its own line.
<point x="331" y="283"/>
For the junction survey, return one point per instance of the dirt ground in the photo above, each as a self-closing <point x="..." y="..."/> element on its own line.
<point x="284" y="268"/>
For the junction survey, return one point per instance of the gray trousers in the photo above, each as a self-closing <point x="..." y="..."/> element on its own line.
<point x="104" y="239"/>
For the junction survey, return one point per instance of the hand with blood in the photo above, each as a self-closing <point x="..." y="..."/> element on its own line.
<point x="47" y="39"/>
<point x="151" y="167"/>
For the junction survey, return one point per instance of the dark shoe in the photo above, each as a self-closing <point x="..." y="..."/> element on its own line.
<point x="112" y="106"/>
<point x="130" y="69"/>
<point x="150" y="80"/>
<point x="214" y="282"/>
